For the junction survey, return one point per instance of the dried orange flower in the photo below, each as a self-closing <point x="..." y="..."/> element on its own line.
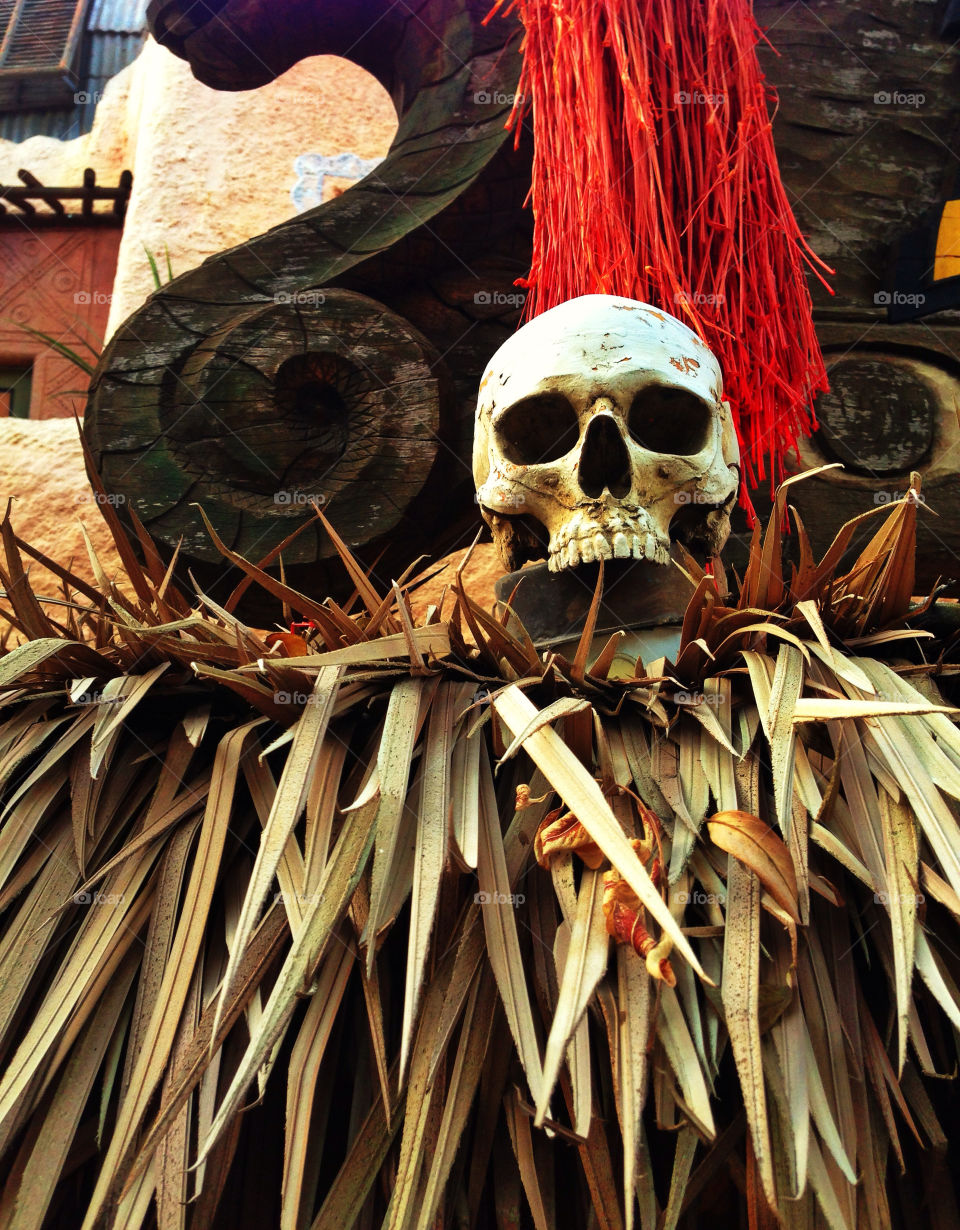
<point x="624" y="916"/>
<point x="294" y="646"/>
<point x="525" y="799"/>
<point x="561" y="831"/>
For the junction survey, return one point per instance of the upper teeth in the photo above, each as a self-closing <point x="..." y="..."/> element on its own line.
<point x="595" y="545"/>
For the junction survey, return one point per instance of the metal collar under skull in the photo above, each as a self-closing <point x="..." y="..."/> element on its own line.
<point x="602" y="432"/>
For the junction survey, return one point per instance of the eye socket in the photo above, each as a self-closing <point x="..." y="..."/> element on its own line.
<point x="538" y="429"/>
<point x="666" y="420"/>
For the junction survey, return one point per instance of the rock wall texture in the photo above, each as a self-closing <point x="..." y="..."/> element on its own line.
<point x="41" y="471"/>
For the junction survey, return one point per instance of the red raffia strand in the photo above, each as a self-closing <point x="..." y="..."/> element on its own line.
<point x="655" y="177"/>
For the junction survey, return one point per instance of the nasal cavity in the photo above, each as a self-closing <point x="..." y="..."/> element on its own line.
<point x="604" y="462"/>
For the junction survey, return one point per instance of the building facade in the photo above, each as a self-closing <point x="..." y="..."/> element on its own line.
<point x="87" y="98"/>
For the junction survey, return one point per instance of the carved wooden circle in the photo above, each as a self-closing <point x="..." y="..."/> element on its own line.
<point x="880" y="414"/>
<point x="324" y="396"/>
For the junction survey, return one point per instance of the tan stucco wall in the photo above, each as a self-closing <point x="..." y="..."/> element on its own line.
<point x="211" y="169"/>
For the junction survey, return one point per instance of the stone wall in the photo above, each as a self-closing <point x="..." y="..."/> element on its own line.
<point x="41" y="471"/>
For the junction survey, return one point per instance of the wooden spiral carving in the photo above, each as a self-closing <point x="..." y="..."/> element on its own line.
<point x="336" y="356"/>
<point x="276" y="408"/>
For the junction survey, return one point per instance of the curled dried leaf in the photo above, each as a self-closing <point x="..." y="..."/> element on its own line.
<point x="292" y="644"/>
<point x="757" y="846"/>
<point x="525" y="799"/>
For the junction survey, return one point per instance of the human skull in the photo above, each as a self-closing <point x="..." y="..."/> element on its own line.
<point x="601" y="431"/>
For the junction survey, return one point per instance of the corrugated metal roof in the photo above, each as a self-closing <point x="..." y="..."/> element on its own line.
<point x="108" y="54"/>
<point x="115" y="32"/>
<point x="118" y="16"/>
<point x="19" y="125"/>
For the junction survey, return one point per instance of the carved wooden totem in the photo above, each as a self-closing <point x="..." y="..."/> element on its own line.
<point x="338" y="355"/>
<point x="244" y="387"/>
<point x="866" y="139"/>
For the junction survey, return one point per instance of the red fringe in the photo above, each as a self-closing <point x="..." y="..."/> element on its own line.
<point x="655" y="177"/>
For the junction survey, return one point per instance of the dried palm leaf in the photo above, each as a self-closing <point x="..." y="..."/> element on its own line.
<point x="209" y="833"/>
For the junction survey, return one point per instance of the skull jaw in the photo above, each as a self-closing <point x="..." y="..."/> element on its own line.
<point x="708" y="532"/>
<point x="590" y="534"/>
<point x="617" y="534"/>
<point x="597" y="531"/>
<point x="514" y="538"/>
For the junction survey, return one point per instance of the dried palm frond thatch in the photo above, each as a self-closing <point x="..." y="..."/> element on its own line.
<point x="316" y="931"/>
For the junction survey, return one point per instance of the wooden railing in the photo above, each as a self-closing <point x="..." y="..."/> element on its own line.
<point x="19" y="202"/>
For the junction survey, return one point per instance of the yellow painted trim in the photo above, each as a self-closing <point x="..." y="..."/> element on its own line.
<point x="946" y="262"/>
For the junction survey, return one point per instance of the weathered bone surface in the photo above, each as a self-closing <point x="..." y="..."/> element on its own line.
<point x="601" y="432"/>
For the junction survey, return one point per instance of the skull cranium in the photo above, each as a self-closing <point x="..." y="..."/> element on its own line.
<point x="601" y="431"/>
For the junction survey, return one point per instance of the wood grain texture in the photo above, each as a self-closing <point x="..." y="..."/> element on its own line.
<point x="865" y="129"/>
<point x="339" y="352"/>
<point x="867" y="138"/>
<point x="888" y="420"/>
